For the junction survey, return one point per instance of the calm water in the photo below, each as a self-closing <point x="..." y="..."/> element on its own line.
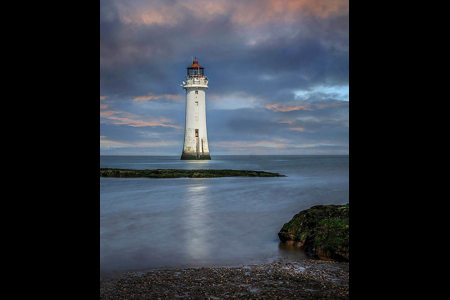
<point x="151" y="223"/>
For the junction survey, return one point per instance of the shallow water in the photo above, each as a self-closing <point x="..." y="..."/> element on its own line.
<point x="152" y="223"/>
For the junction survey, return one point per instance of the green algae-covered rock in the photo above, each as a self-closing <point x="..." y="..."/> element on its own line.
<point x="174" y="173"/>
<point x="322" y="231"/>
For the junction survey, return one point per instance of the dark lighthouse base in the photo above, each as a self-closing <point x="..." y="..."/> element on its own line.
<point x="195" y="156"/>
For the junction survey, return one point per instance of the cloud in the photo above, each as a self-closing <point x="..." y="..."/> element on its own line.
<point x="337" y="92"/>
<point x="232" y="100"/>
<point x="307" y="106"/>
<point x="151" y="96"/>
<point x="105" y="143"/>
<point x="267" y="147"/>
<point x="109" y="144"/>
<point x="308" y="52"/>
<point x="276" y="107"/>
<point x="301" y="129"/>
<point x="129" y="119"/>
<point x="107" y="113"/>
<point x="241" y="13"/>
<point x="140" y="123"/>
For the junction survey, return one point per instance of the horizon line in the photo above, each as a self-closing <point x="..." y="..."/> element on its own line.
<point x="230" y="155"/>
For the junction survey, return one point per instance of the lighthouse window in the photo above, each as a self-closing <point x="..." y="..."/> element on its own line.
<point x="195" y="71"/>
<point x="196" y="132"/>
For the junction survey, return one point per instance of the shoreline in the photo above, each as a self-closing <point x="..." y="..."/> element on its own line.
<point x="280" y="279"/>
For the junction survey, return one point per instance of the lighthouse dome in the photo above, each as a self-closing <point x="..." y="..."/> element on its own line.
<point x="195" y="65"/>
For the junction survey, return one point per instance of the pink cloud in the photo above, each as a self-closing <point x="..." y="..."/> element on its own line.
<point x="242" y="13"/>
<point x="309" y="107"/>
<point x="290" y="122"/>
<point x="129" y="119"/>
<point x="139" y="123"/>
<point x="297" y="128"/>
<point x="276" y="107"/>
<point x="108" y="113"/>
<point x="156" y="97"/>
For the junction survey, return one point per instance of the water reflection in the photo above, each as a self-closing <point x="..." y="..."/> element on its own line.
<point x="157" y="223"/>
<point x="201" y="161"/>
<point x="196" y="221"/>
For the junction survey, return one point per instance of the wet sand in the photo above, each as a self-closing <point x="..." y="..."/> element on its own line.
<point x="305" y="279"/>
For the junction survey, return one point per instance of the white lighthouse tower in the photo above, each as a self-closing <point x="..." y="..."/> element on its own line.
<point x="195" y="136"/>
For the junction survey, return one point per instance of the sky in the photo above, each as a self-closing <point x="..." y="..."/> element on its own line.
<point x="278" y="75"/>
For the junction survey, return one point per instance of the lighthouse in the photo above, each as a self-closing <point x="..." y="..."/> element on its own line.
<point x="195" y="135"/>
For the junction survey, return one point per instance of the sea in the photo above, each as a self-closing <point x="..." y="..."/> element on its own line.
<point x="148" y="223"/>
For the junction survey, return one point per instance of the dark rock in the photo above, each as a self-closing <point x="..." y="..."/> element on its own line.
<point x="174" y="173"/>
<point x="322" y="231"/>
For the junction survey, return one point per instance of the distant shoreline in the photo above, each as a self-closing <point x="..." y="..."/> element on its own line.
<point x="178" y="173"/>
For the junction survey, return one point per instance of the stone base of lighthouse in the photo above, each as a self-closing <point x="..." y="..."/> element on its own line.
<point x="193" y="156"/>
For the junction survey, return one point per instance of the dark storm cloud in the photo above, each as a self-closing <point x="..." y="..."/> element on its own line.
<point x="253" y="59"/>
<point x="138" y="57"/>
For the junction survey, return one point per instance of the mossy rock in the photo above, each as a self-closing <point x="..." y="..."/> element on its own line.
<point x="174" y="173"/>
<point x="322" y="231"/>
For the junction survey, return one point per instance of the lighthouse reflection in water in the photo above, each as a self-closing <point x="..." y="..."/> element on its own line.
<point x="197" y="217"/>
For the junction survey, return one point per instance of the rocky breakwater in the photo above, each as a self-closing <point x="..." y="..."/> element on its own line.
<point x="322" y="231"/>
<point x="174" y="173"/>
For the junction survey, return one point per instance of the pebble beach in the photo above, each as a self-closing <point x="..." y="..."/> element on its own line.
<point x="304" y="279"/>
